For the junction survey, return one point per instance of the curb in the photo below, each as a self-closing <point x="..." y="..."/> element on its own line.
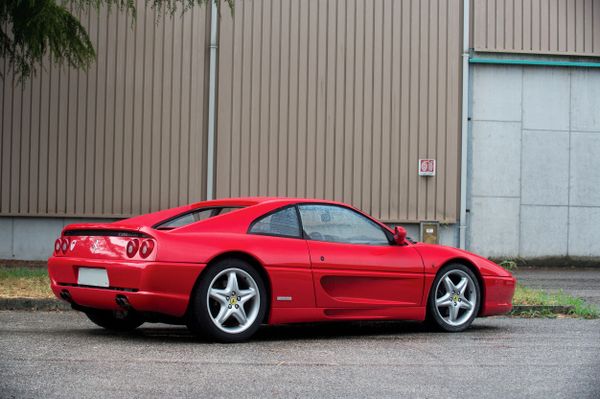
<point x="48" y="304"/>
<point x="554" y="309"/>
<point x="33" y="304"/>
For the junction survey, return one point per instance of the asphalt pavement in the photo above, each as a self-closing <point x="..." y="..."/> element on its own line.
<point x="61" y="354"/>
<point x="584" y="283"/>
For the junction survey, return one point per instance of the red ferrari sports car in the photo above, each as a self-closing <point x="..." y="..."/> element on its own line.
<point x="225" y="267"/>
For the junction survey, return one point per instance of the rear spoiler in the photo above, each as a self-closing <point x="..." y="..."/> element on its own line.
<point x="104" y="229"/>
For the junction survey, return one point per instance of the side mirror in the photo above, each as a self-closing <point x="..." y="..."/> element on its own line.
<point x="400" y="235"/>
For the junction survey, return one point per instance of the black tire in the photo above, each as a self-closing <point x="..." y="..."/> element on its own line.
<point x="113" y="321"/>
<point x="199" y="320"/>
<point x="434" y="316"/>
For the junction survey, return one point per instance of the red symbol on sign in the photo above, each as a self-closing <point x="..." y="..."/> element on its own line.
<point x="426" y="167"/>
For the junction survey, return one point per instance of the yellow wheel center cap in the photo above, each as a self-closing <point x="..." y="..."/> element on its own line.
<point x="233" y="301"/>
<point x="455" y="298"/>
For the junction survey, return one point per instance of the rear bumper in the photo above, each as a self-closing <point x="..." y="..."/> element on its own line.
<point x="498" y="295"/>
<point x="156" y="287"/>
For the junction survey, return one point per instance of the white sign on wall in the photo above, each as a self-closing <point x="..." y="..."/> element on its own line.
<point x="426" y="167"/>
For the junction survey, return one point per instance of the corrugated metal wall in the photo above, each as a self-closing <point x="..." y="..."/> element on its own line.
<point x="338" y="99"/>
<point x="124" y="138"/>
<point x="568" y="27"/>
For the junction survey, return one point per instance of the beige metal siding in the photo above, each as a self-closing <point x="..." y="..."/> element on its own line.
<point x="338" y="99"/>
<point x="562" y="27"/>
<point x="126" y="137"/>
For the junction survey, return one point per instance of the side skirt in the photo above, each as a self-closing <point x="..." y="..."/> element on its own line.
<point x="302" y="315"/>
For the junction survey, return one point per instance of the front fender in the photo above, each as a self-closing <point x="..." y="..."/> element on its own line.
<point x="436" y="256"/>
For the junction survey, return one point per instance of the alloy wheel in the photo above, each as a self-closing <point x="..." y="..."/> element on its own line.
<point x="455" y="297"/>
<point x="233" y="300"/>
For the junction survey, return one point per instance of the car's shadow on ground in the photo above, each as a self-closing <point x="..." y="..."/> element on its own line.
<point x="375" y="330"/>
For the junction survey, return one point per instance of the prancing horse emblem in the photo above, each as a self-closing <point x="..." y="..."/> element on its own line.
<point x="95" y="246"/>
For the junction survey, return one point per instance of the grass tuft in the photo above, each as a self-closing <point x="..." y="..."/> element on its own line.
<point x="536" y="297"/>
<point x="24" y="282"/>
<point x="509" y="265"/>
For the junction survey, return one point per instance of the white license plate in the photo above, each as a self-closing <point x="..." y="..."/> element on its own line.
<point x="93" y="277"/>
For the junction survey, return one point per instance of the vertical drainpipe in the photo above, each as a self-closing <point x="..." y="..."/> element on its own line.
<point x="465" y="128"/>
<point x="212" y="95"/>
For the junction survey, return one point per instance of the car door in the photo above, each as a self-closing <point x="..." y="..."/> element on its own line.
<point x="276" y="239"/>
<point x="354" y="262"/>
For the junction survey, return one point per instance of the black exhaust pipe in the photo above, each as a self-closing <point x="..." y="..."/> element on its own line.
<point x="66" y="295"/>
<point x="122" y="301"/>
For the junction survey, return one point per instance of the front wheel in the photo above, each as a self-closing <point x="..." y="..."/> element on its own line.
<point x="454" y="298"/>
<point x="121" y="321"/>
<point x="229" y="303"/>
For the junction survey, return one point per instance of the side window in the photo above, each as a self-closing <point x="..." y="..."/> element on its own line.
<point x="187" y="218"/>
<point x="192" y="217"/>
<point x="279" y="223"/>
<point x="338" y="224"/>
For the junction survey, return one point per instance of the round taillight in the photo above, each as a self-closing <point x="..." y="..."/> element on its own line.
<point x="64" y="245"/>
<point x="57" y="245"/>
<point x="132" y="247"/>
<point x="146" y="248"/>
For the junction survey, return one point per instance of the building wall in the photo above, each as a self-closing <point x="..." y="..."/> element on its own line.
<point x="534" y="165"/>
<point x="126" y="137"/>
<point x="339" y="99"/>
<point x="329" y="99"/>
<point x="557" y="27"/>
<point x="318" y="98"/>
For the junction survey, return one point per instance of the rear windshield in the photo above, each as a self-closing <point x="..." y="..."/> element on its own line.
<point x="194" y="216"/>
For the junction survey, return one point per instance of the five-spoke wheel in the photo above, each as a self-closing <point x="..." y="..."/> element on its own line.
<point x="454" y="298"/>
<point x="229" y="303"/>
<point x="233" y="300"/>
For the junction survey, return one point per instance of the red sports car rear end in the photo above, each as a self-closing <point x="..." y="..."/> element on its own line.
<point x="112" y="268"/>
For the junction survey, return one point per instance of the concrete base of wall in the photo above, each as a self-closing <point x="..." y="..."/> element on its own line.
<point x="27" y="238"/>
<point x="563" y="262"/>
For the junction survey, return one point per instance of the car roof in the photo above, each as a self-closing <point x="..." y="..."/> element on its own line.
<point x="249" y="201"/>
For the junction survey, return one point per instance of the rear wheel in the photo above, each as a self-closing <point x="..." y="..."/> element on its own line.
<point x="229" y="303"/>
<point x="120" y="321"/>
<point x="454" y="298"/>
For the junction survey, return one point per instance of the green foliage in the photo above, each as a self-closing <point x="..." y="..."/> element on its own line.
<point x="535" y="297"/>
<point x="33" y="29"/>
<point x="24" y="282"/>
<point x="509" y="265"/>
<point x="22" y="272"/>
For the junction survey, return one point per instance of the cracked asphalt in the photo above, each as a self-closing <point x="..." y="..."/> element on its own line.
<point x="61" y="354"/>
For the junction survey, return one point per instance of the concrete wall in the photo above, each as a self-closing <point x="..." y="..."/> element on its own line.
<point x="534" y="162"/>
<point x="32" y="238"/>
